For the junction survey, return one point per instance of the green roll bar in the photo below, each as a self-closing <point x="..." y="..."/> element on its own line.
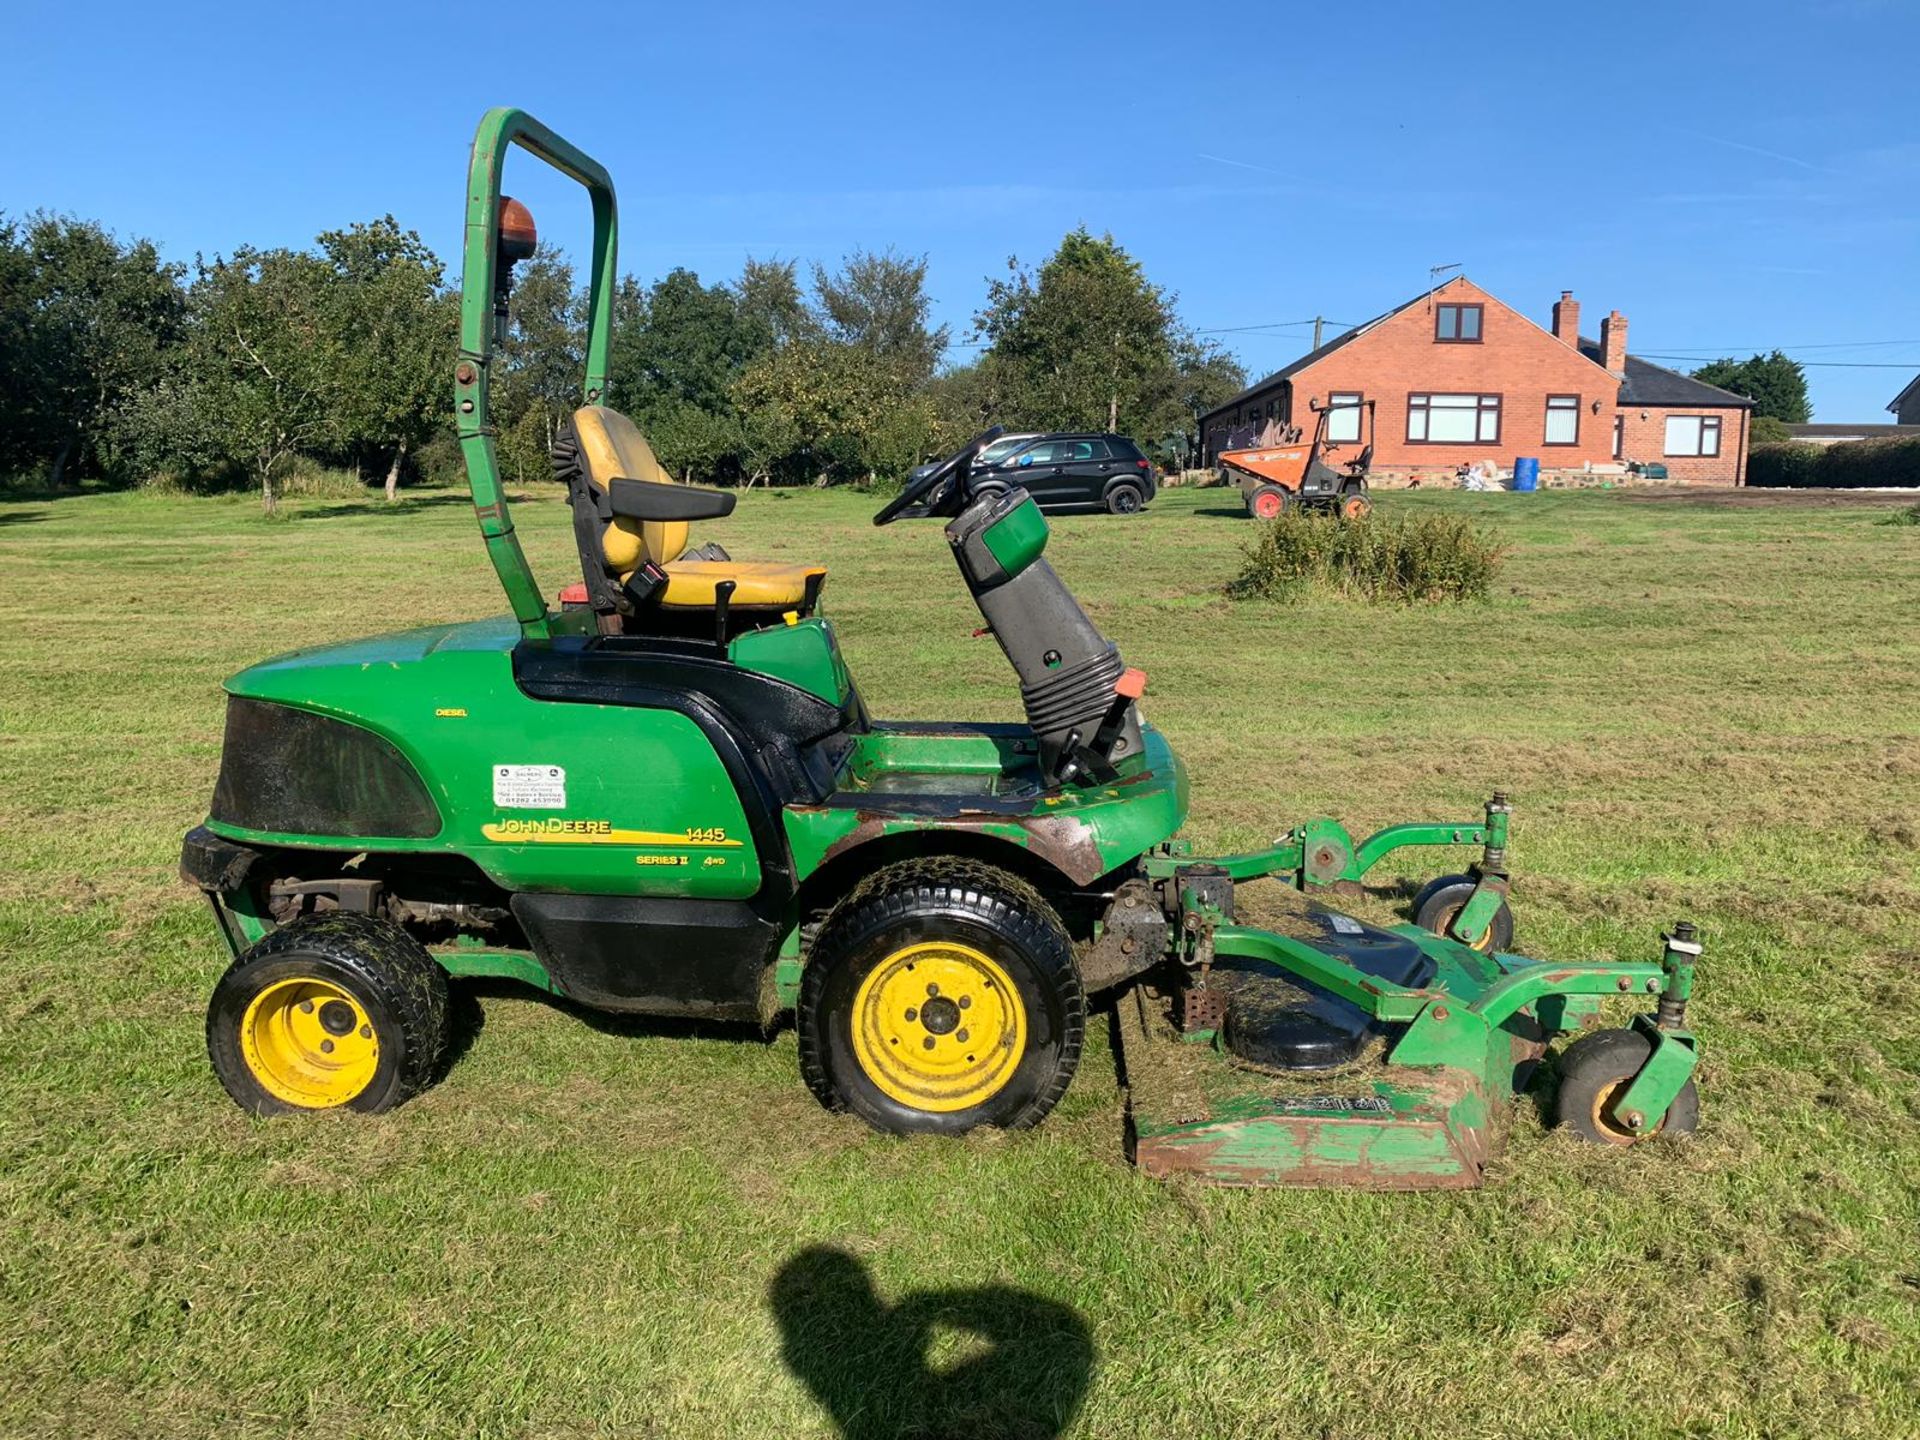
<point x="499" y="128"/>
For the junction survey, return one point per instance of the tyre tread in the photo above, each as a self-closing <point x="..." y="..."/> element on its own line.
<point x="896" y="891"/>
<point x="385" y="958"/>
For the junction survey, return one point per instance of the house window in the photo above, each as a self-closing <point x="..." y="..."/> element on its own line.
<point x="1693" y="435"/>
<point x="1343" y="417"/>
<point x="1619" y="436"/>
<point x="1453" y="419"/>
<point x="1456" y="324"/>
<point x="1563" y="420"/>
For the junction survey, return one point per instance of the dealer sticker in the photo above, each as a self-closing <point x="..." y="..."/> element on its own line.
<point x="1346" y="925"/>
<point x="530" y="787"/>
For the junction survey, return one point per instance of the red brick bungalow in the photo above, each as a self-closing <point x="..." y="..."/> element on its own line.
<point x="1456" y="376"/>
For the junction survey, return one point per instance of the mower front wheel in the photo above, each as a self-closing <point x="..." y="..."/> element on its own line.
<point x="939" y="996"/>
<point x="1595" y="1071"/>
<point x="1440" y="902"/>
<point x="330" y="1011"/>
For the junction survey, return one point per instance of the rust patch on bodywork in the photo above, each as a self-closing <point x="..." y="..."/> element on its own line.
<point x="1064" y="842"/>
<point x="1158" y="1158"/>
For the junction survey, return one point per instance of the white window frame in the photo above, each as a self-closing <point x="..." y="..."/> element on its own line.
<point x="1566" y="408"/>
<point x="1706" y="428"/>
<point x="1484" y="409"/>
<point x="1343" y="417"/>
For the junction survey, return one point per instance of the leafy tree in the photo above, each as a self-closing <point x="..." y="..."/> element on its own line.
<point x="968" y="398"/>
<point x="1768" y="431"/>
<point x="1200" y="377"/>
<point x="879" y="304"/>
<point x="686" y="343"/>
<point x="1086" y="338"/>
<point x="393" y="328"/>
<point x="770" y="304"/>
<point x="1775" y="383"/>
<point x="849" y="411"/>
<point x="86" y="324"/>
<point x="677" y="351"/>
<point x="256" y="386"/>
<point x="536" y="383"/>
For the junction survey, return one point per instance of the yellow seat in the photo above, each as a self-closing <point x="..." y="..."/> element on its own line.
<point x="611" y="446"/>
<point x="761" y="586"/>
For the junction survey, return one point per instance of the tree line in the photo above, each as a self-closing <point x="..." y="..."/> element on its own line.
<point x="120" y="367"/>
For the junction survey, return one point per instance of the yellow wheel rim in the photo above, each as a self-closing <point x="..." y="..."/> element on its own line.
<point x="309" y="1043"/>
<point x="939" y="1026"/>
<point x="1609" y="1126"/>
<point x="1484" y="944"/>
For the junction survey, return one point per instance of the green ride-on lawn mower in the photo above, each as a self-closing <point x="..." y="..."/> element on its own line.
<point x="665" y="796"/>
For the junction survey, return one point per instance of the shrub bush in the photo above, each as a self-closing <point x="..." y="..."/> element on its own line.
<point x="1790" y="463"/>
<point x="1855" y="465"/>
<point x="1863" y="463"/>
<point x="1405" y="559"/>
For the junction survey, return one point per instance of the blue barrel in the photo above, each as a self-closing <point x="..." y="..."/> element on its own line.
<point x="1526" y="473"/>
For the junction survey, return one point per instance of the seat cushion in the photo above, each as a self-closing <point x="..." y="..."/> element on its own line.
<point x="612" y="448"/>
<point x="769" y="585"/>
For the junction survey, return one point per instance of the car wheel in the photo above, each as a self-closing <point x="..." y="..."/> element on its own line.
<point x="1125" y="499"/>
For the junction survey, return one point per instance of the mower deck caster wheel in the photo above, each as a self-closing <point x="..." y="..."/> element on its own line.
<point x="1441" y="899"/>
<point x="1595" y="1071"/>
<point x="941" y="995"/>
<point x="331" y="1011"/>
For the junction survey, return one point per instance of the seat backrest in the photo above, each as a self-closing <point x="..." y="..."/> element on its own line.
<point x="611" y="446"/>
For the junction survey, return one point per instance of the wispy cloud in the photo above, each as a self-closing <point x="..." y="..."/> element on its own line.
<point x="1240" y="164"/>
<point x="1781" y="156"/>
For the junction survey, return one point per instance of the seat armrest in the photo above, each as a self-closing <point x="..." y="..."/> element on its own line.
<point x="651" y="500"/>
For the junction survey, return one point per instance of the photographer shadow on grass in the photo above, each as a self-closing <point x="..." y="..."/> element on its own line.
<point x="1015" y="1365"/>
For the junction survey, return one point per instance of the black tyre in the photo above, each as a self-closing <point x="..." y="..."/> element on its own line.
<point x="941" y="995"/>
<point x="1125" y="499"/>
<point x="330" y="1011"/>
<point x="1441" y="899"/>
<point x="1355" y="504"/>
<point x="1269" y="502"/>
<point x="1595" y="1071"/>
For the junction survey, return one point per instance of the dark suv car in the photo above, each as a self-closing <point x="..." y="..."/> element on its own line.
<point x="1075" y="472"/>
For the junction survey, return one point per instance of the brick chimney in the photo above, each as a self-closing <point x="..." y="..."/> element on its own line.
<point x="1566" y="319"/>
<point x="1613" y="343"/>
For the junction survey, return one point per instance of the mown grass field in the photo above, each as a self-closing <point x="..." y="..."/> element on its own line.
<point x="1703" y="709"/>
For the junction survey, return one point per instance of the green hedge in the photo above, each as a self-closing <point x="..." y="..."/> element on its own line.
<point x="1856" y="465"/>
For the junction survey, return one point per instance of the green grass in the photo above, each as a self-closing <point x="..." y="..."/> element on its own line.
<point x="1702" y="709"/>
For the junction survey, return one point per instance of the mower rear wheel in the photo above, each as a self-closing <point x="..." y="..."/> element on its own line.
<point x="1269" y="502"/>
<point x="330" y="1011"/>
<point x="1440" y="902"/>
<point x="1354" y="505"/>
<point x="939" y="996"/>
<point x="1595" y="1071"/>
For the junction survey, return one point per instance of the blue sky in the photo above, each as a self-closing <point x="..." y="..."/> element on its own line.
<point x="1732" y="176"/>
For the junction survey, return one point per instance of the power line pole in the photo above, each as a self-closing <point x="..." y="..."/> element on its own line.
<point x="1318" y="321"/>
